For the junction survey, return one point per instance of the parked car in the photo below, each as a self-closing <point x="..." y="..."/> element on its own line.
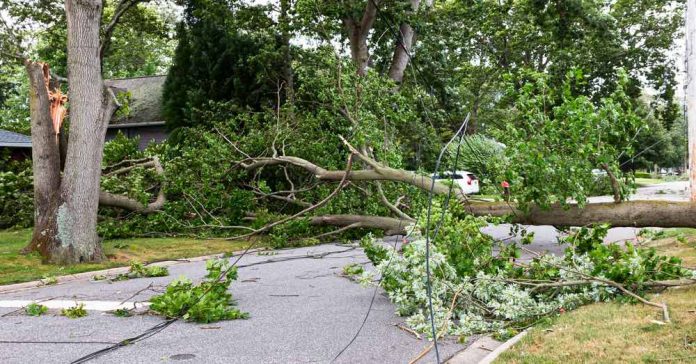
<point x="466" y="181"/>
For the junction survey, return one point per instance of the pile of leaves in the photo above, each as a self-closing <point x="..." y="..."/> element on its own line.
<point x="206" y="302"/>
<point x="477" y="291"/>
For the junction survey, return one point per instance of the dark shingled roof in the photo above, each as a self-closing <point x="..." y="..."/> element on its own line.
<point x="14" y="140"/>
<point x="145" y="100"/>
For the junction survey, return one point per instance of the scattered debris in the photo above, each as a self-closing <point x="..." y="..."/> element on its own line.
<point x="74" y="312"/>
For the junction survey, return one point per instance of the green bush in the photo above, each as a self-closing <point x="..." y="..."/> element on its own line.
<point x="16" y="193"/>
<point x="642" y="174"/>
<point x="481" y="155"/>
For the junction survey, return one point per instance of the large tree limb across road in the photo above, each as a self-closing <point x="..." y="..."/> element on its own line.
<point x="628" y="213"/>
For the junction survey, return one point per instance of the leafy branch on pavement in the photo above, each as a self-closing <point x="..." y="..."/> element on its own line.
<point x="206" y="302"/>
<point x="495" y="292"/>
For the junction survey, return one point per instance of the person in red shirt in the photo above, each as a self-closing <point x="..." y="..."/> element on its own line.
<point x="506" y="190"/>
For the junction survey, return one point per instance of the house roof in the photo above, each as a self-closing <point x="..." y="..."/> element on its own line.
<point x="14" y="140"/>
<point x="145" y="102"/>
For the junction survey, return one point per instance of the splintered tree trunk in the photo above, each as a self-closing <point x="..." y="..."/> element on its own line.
<point x="46" y="163"/>
<point x="66" y="209"/>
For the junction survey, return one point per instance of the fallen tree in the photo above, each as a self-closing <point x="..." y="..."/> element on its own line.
<point x="621" y="214"/>
<point x="627" y="213"/>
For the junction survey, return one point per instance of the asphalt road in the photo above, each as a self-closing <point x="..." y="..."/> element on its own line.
<point x="302" y="311"/>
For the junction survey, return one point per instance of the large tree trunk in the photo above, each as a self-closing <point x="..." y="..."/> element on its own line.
<point x="91" y="108"/>
<point x="358" y="31"/>
<point x="65" y="229"/>
<point x="403" y="48"/>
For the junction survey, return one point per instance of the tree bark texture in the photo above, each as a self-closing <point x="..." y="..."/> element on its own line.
<point x="358" y="30"/>
<point x="46" y="161"/>
<point x="626" y="214"/>
<point x="65" y="229"/>
<point x="403" y="47"/>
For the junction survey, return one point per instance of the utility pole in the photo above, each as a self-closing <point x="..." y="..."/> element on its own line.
<point x="690" y="99"/>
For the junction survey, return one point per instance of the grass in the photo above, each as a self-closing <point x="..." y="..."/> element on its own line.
<point x="15" y="267"/>
<point x="644" y="182"/>
<point x="612" y="332"/>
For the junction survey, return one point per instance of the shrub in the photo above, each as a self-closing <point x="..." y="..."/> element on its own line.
<point x="481" y="155"/>
<point x="16" y="193"/>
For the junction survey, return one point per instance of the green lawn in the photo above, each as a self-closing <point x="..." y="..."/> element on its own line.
<point x="644" y="182"/>
<point x="15" y="267"/>
<point x="620" y="333"/>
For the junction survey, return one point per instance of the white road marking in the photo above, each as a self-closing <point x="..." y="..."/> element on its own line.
<point x="88" y="305"/>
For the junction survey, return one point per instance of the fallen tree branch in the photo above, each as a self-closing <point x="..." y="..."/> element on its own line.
<point x="620" y="287"/>
<point x="114" y="200"/>
<point x="614" y="183"/>
<point x="625" y="214"/>
<point x="390" y="225"/>
<point x="150" y="163"/>
<point x="393" y="208"/>
<point x="341" y="184"/>
<point x="378" y="172"/>
<point x="126" y="162"/>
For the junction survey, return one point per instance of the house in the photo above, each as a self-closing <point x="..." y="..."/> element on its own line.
<point x="18" y="145"/>
<point x="142" y="112"/>
<point x="142" y="100"/>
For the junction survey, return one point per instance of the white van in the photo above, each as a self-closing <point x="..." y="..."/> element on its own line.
<point x="467" y="181"/>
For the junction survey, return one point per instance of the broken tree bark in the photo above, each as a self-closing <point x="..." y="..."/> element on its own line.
<point x="45" y="161"/>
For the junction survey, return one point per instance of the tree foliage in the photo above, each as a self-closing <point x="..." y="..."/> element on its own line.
<point x="227" y="52"/>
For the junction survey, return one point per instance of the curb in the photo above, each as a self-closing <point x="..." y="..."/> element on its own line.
<point x="500" y="349"/>
<point x="10" y="288"/>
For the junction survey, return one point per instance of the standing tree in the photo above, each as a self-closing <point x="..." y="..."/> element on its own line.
<point x="227" y="52"/>
<point x="66" y="185"/>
